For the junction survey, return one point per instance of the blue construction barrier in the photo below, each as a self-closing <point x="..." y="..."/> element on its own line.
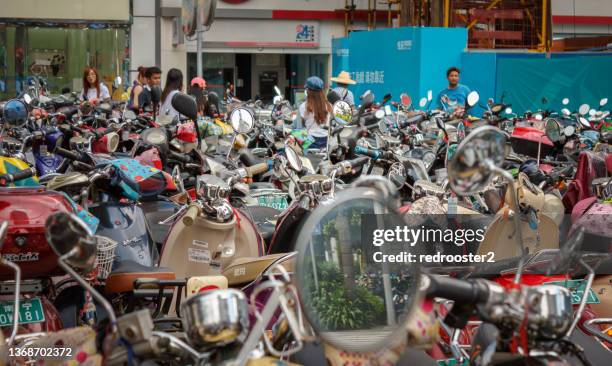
<point x="415" y="60"/>
<point x="400" y="60"/>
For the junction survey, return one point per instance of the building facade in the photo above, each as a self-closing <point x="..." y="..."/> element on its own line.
<point x="57" y="39"/>
<point x="252" y="44"/>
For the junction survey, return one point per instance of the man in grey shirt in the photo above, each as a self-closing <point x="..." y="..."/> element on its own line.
<point x="342" y="82"/>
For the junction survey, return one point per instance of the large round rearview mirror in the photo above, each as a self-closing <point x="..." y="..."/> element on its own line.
<point x="156" y="93"/>
<point x="473" y="98"/>
<point x="86" y="108"/>
<point x="585" y="122"/>
<point x="423" y="102"/>
<point x="15" y="112"/>
<point x="406" y="100"/>
<point x="242" y="120"/>
<point x="472" y="166"/>
<point x="367" y="99"/>
<point x="333" y="97"/>
<point x="603" y="102"/>
<point x="128" y="114"/>
<point x="565" y="101"/>
<point x="294" y="160"/>
<point x="566" y="112"/>
<point x="185" y="105"/>
<point x="354" y="292"/>
<point x="379" y="114"/>
<point x="584" y="109"/>
<point x="343" y="113"/>
<point x="66" y="233"/>
<point x="553" y="130"/>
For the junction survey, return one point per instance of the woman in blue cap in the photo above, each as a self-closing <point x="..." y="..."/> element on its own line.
<point x="315" y="112"/>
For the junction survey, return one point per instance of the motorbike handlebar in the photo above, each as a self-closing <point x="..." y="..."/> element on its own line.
<point x="555" y="175"/>
<point x="256" y="169"/>
<point x="190" y="215"/>
<point x="358" y="162"/>
<point x="373" y="153"/>
<point x="68" y="154"/>
<point x="412" y="120"/>
<point x="461" y="291"/>
<point x="20" y="175"/>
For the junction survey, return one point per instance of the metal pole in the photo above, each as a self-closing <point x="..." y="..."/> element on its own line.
<point x="199" y="37"/>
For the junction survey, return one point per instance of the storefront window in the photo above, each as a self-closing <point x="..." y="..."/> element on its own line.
<point x="59" y="54"/>
<point x="218" y="70"/>
<point x="302" y="67"/>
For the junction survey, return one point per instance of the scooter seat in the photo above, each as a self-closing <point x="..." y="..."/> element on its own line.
<point x="122" y="278"/>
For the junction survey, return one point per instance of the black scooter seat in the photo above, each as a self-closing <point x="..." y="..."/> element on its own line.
<point x="122" y="278"/>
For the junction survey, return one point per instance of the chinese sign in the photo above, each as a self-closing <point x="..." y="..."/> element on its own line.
<point x="368" y="77"/>
<point x="305" y="33"/>
<point x="404" y="45"/>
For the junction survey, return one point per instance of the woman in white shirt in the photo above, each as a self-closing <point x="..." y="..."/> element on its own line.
<point x="174" y="84"/>
<point x="93" y="90"/>
<point x="315" y="112"/>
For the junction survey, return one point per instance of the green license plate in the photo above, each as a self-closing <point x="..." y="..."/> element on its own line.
<point x="30" y="311"/>
<point x="577" y="288"/>
<point x="276" y="202"/>
<point x="452" y="362"/>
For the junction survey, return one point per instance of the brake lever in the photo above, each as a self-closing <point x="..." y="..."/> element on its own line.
<point x="173" y="216"/>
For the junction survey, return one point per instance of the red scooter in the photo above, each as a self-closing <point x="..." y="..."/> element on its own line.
<point x="26" y="209"/>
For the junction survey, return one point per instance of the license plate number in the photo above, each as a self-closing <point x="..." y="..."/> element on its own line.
<point x="577" y="289"/>
<point x="30" y="311"/>
<point x="276" y="202"/>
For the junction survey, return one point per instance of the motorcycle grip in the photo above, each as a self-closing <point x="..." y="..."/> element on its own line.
<point x="106" y="131"/>
<point x="257" y="169"/>
<point x="67" y="154"/>
<point x="458" y="290"/>
<point x="192" y="212"/>
<point x="23" y="174"/>
<point x="360" y="161"/>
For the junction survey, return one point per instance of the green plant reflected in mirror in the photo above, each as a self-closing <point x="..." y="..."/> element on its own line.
<point x="355" y="297"/>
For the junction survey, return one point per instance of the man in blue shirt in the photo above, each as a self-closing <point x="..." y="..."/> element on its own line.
<point x="453" y="99"/>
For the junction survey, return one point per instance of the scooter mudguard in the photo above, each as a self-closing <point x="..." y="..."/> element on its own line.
<point x="126" y="224"/>
<point x="287" y="225"/>
<point x="207" y="247"/>
<point x="155" y="212"/>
